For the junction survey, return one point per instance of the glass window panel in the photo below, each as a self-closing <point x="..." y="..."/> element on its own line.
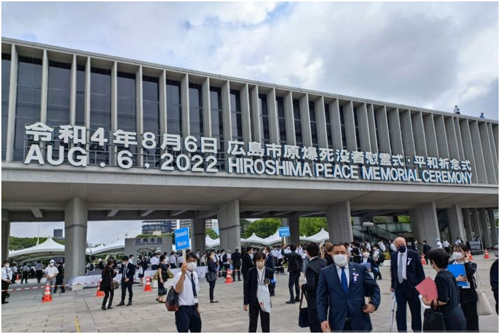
<point x="236" y="125"/>
<point x="100" y="100"/>
<point x="297" y="121"/>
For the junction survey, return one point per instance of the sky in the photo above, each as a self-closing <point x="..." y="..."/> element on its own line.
<point x="428" y="55"/>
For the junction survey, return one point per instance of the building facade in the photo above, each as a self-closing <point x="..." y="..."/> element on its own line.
<point x="107" y="138"/>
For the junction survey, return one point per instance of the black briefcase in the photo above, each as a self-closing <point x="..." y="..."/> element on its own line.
<point x="433" y="320"/>
<point x="303" y="313"/>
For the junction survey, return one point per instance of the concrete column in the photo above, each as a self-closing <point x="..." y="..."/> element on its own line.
<point x="407" y="133"/>
<point x="430" y="135"/>
<point x="319" y="107"/>
<point x="469" y="151"/>
<point x="425" y="216"/>
<point x="456" y="223"/>
<point x="186" y="130"/>
<point x="417" y="121"/>
<point x="139" y="112"/>
<point x="493" y="226"/>
<point x="467" y="224"/>
<point x="198" y="235"/>
<point x="481" y="170"/>
<point x="14" y="62"/>
<point x="163" y="102"/>
<point x="364" y="129"/>
<point x="272" y="109"/>
<point x="245" y="114"/>
<point x="485" y="229"/>
<point x="72" y="103"/>
<point x="373" y="129"/>
<point x="75" y="230"/>
<point x="45" y="87"/>
<point x="338" y="217"/>
<point x="229" y="225"/>
<point x="305" y="119"/>
<point x="441" y="136"/>
<point x="336" y="126"/>
<point x="255" y="111"/>
<point x="5" y="234"/>
<point x="350" y="127"/>
<point x="289" y="119"/>
<point x="460" y="144"/>
<point x="383" y="130"/>
<point x="488" y="154"/>
<point x="495" y="133"/>
<point x="452" y="138"/>
<point x="395" y="130"/>
<point x="293" y="223"/>
<point x="476" y="226"/>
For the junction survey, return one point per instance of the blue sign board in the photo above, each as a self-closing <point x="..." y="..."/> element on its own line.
<point x="284" y="231"/>
<point x="182" y="238"/>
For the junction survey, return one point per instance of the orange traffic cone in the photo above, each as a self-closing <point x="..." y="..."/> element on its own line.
<point x="147" y="287"/>
<point x="486" y="254"/>
<point x="229" y="279"/>
<point x="47" y="297"/>
<point x="99" y="292"/>
<point x="423" y="260"/>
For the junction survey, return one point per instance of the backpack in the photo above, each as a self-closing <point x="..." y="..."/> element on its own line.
<point x="295" y="266"/>
<point x="224" y="258"/>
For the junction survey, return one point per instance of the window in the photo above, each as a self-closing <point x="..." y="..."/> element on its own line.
<point x="342" y="127"/>
<point x="174" y="107"/>
<point x="314" y="129"/>
<point x="29" y="84"/>
<point x="266" y="139"/>
<point x="58" y="94"/>
<point x="5" y="100"/>
<point x="329" y="137"/>
<point x="195" y="111"/>
<point x="281" y="119"/>
<point x="356" y="126"/>
<point x="100" y="112"/>
<point x="297" y="122"/>
<point x="151" y="116"/>
<point x="80" y="95"/>
<point x="216" y="117"/>
<point x="127" y="108"/>
<point x="236" y="126"/>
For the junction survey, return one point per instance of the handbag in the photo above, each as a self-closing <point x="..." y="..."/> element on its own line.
<point x="172" y="303"/>
<point x="114" y="285"/>
<point x="162" y="291"/>
<point x="211" y="277"/>
<point x="483" y="306"/>
<point x="433" y="320"/>
<point x="303" y="313"/>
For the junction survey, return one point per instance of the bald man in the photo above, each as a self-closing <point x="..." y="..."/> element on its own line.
<point x="406" y="273"/>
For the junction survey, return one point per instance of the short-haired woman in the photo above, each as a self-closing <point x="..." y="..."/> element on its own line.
<point x="107" y="276"/>
<point x="162" y="278"/>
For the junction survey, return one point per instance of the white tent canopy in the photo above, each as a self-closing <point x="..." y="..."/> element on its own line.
<point x="47" y="248"/>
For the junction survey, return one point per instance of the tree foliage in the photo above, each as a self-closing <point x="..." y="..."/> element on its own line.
<point x="404" y="219"/>
<point x="311" y="226"/>
<point x="262" y="227"/>
<point x="211" y="233"/>
<point x="379" y="220"/>
<point x="16" y="243"/>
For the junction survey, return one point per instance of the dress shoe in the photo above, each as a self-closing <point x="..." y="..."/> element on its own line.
<point x="121" y="304"/>
<point x="291" y="302"/>
<point x="103" y="308"/>
<point x="110" y="307"/>
<point x="214" y="301"/>
<point x="129" y="304"/>
<point x="297" y="300"/>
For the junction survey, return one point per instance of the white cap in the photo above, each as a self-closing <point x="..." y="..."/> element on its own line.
<point x="52" y="261"/>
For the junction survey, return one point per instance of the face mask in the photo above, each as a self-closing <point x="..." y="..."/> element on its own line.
<point x="191" y="266"/>
<point x="402" y="249"/>
<point x="124" y="264"/>
<point x="7" y="265"/>
<point x="260" y="265"/>
<point x="340" y="260"/>
<point x="366" y="254"/>
<point x="456" y="255"/>
<point x="51" y="264"/>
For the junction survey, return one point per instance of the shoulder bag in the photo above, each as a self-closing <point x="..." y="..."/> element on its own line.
<point x="211" y="277"/>
<point x="433" y="320"/>
<point x="172" y="303"/>
<point x="114" y="285"/>
<point x="483" y="306"/>
<point x="303" y="313"/>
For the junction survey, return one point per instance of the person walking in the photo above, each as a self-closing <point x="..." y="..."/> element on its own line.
<point x="162" y="278"/>
<point x="107" y="275"/>
<point x="26" y="273"/>
<point x="446" y="246"/>
<point x="341" y="292"/>
<point x="271" y="264"/>
<point x="128" y="271"/>
<point x="379" y="258"/>
<point x="406" y="273"/>
<point x="50" y="273"/>
<point x="60" y="278"/>
<point x="310" y="288"/>
<point x="142" y="265"/>
<point x="257" y="276"/>
<point x="185" y="283"/>
<point x="369" y="263"/>
<point x="212" y="268"/>
<point x="494" y="277"/>
<point x="294" y="269"/>
<point x="173" y="261"/>
<point x="426" y="248"/>
<point x="14" y="273"/>
<point x="39" y="271"/>
<point x="448" y="300"/>
<point x="468" y="294"/>
<point x="6" y="279"/>
<point x="247" y="262"/>
<point x="236" y="262"/>
<point x="155" y="261"/>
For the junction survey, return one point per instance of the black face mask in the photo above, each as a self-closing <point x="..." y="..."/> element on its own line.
<point x="402" y="249"/>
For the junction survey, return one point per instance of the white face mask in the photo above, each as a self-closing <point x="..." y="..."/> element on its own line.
<point x="366" y="255"/>
<point x="456" y="255"/>
<point x="191" y="266"/>
<point x="260" y="265"/>
<point x="7" y="265"/>
<point x="340" y="260"/>
<point x="51" y="264"/>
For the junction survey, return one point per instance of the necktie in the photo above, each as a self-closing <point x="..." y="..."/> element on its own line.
<point x="343" y="280"/>
<point x="7" y="272"/>
<point x="400" y="269"/>
<point x="193" y="285"/>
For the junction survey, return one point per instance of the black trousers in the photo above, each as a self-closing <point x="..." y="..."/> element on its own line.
<point x="293" y="279"/>
<point x="471" y="317"/>
<point x="59" y="282"/>
<point x="5" y="286"/>
<point x="39" y="275"/>
<point x="108" y="294"/>
<point x="236" y="269"/>
<point x="25" y="277"/>
<point x="187" y="319"/>
<point x="212" y="288"/>
<point x="265" y="320"/>
<point x="13" y="281"/>
<point x="405" y="294"/>
<point x="127" y="286"/>
<point x="314" y="324"/>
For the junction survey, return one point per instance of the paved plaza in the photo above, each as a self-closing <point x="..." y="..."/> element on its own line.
<point x="80" y="310"/>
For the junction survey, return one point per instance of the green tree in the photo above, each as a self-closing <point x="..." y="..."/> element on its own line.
<point x="379" y="220"/>
<point x="16" y="243"/>
<point x="262" y="227"/>
<point x="211" y="233"/>
<point x="311" y="226"/>
<point x="404" y="219"/>
<point x="243" y="225"/>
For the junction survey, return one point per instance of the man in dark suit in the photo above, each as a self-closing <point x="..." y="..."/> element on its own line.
<point x="294" y="269"/>
<point x="128" y="271"/>
<point x="425" y="250"/>
<point x="236" y="262"/>
<point x="247" y="262"/>
<point x="310" y="288"/>
<point x="271" y="265"/>
<point x="494" y="278"/>
<point x="342" y="288"/>
<point x="406" y="273"/>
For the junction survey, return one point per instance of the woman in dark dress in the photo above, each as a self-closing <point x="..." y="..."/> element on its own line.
<point x="162" y="278"/>
<point x="468" y="294"/>
<point x="448" y="301"/>
<point x="212" y="268"/>
<point x="107" y="276"/>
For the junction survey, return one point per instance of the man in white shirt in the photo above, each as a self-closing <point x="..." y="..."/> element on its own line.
<point x="155" y="261"/>
<point x="173" y="260"/>
<point x="6" y="279"/>
<point x="439" y="244"/>
<point x="381" y="246"/>
<point x="50" y="273"/>
<point x="187" y="317"/>
<point x="446" y="246"/>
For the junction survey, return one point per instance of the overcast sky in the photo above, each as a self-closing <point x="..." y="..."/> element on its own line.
<point x="430" y="55"/>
